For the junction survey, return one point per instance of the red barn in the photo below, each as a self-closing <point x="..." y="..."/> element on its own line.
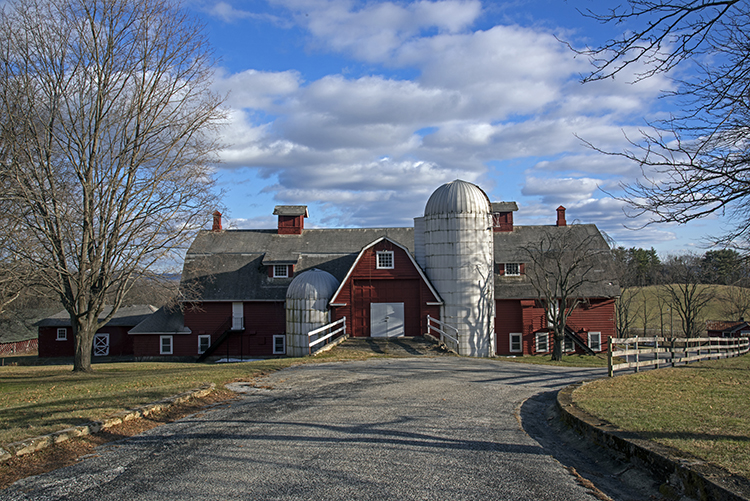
<point x="237" y="282"/>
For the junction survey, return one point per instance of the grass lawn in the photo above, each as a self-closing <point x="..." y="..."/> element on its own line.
<point x="702" y="408"/>
<point x="42" y="399"/>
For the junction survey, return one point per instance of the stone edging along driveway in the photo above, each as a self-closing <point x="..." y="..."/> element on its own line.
<point x="37" y="443"/>
<point x="680" y="472"/>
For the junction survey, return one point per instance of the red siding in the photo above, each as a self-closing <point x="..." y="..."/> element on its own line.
<point x="291" y="225"/>
<point x="527" y="317"/>
<point x="402" y="284"/>
<point x="120" y="343"/>
<point x="502" y="221"/>
<point x="262" y="321"/>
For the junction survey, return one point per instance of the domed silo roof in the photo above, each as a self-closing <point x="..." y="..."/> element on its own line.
<point x="458" y="197"/>
<point x="312" y="284"/>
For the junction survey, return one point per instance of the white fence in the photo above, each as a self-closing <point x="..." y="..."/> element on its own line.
<point x="332" y="327"/>
<point x="448" y="333"/>
<point x="661" y="351"/>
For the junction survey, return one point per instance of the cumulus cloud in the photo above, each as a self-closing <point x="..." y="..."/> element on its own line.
<point x="370" y="148"/>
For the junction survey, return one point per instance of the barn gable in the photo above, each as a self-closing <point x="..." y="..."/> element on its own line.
<point x="385" y="273"/>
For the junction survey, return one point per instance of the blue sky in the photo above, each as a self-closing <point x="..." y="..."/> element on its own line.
<point x="360" y="110"/>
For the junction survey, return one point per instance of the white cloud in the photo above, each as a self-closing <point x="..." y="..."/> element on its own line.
<point x="373" y="32"/>
<point x="507" y="95"/>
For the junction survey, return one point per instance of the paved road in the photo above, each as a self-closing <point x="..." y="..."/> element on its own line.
<point x="443" y="428"/>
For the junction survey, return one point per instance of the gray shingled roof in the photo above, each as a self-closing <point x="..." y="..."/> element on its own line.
<point x="126" y="316"/>
<point x="509" y="248"/>
<point x="290" y="210"/>
<point x="504" y="206"/>
<point x="232" y="265"/>
<point x="165" y="320"/>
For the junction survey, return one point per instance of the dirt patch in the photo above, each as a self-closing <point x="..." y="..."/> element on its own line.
<point x="68" y="452"/>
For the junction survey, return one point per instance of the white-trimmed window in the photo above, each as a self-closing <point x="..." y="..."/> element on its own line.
<point x="238" y="316"/>
<point x="204" y="341"/>
<point x="279" y="344"/>
<point x="516" y="345"/>
<point x="542" y="342"/>
<point x="385" y="260"/>
<point x="62" y="334"/>
<point x="568" y="345"/>
<point x="280" y="271"/>
<point x="512" y="269"/>
<point x="595" y="341"/>
<point x="165" y="345"/>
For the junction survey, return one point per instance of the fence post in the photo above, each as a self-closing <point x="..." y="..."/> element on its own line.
<point x="637" y="356"/>
<point x="610" y="368"/>
<point x="671" y="350"/>
<point x="656" y="348"/>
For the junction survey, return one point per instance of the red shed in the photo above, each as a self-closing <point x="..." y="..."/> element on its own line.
<point x="56" y="334"/>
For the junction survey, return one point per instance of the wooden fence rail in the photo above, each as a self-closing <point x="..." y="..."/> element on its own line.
<point x="448" y="334"/>
<point x="662" y="351"/>
<point x="19" y="347"/>
<point x="324" y="338"/>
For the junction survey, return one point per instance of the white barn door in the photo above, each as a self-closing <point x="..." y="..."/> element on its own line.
<point x="101" y="345"/>
<point x="386" y="319"/>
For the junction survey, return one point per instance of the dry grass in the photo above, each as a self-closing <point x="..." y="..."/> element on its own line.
<point x="68" y="452"/>
<point x="703" y="408"/>
<point x="43" y="399"/>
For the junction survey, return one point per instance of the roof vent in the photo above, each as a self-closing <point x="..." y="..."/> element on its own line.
<point x="291" y="218"/>
<point x="217" y="221"/>
<point x="561" y="216"/>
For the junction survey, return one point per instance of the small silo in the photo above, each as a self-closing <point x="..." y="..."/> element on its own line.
<point x="458" y="259"/>
<point x="307" y="307"/>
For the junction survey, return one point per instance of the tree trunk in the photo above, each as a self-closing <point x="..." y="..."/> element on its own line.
<point x="84" y="340"/>
<point x="557" y="349"/>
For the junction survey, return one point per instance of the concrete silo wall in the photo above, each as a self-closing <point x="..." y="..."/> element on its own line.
<point x="302" y="316"/>
<point x="307" y="308"/>
<point x="459" y="262"/>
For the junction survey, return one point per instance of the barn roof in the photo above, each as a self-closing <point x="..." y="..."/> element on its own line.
<point x="127" y="316"/>
<point x="510" y="248"/>
<point x="232" y="265"/>
<point x="166" y="320"/>
<point x="726" y="326"/>
<point x="229" y="265"/>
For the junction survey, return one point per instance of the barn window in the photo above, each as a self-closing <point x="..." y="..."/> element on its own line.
<point x="280" y="271"/>
<point x="385" y="260"/>
<point x="204" y="341"/>
<point x="62" y="334"/>
<point x="165" y="345"/>
<point x="542" y="342"/>
<point x="279" y="345"/>
<point x="515" y="342"/>
<point x="512" y="270"/>
<point x="569" y="346"/>
<point x="595" y="341"/>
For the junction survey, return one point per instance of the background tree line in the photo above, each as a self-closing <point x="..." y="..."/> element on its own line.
<point x="674" y="294"/>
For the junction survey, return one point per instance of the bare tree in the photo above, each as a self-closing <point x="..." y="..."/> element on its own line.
<point x="107" y="144"/>
<point x="561" y="262"/>
<point x="685" y="292"/>
<point x="735" y="302"/>
<point x="694" y="163"/>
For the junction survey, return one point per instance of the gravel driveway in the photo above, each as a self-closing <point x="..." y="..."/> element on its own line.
<point x="444" y="428"/>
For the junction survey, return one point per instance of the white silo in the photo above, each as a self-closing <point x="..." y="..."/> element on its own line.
<point x="307" y="308"/>
<point x="458" y="257"/>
